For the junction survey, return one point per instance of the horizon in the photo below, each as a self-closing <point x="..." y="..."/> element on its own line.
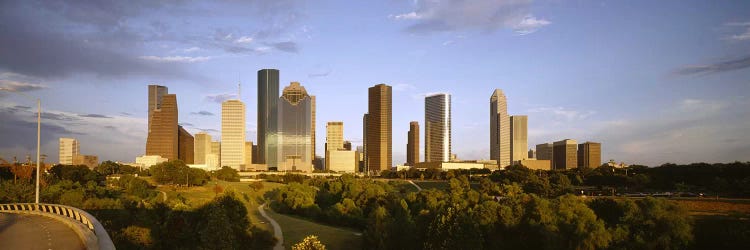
<point x="672" y="91"/>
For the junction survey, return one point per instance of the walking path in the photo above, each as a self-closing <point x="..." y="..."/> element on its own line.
<point x="415" y="185"/>
<point x="276" y="228"/>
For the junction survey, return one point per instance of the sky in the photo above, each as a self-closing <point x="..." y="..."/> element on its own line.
<point x="653" y="81"/>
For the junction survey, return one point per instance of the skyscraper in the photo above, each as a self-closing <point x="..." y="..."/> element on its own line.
<point x="589" y="154"/>
<point x="519" y="138"/>
<point x="545" y="152"/>
<point x="499" y="129"/>
<point x="335" y="136"/>
<point x="312" y="126"/>
<point x="186" y="144"/>
<point x="268" y="98"/>
<point x="233" y="134"/>
<point x="155" y="94"/>
<point x="412" y="144"/>
<point x="163" y="132"/>
<point x="69" y="148"/>
<point x="437" y="130"/>
<point x="248" y="153"/>
<point x="202" y="147"/>
<point x="379" y="128"/>
<point x="565" y="154"/>
<point x="294" y="134"/>
<point x="363" y="154"/>
<point x="216" y="149"/>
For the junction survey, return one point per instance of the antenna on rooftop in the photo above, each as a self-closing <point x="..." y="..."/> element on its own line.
<point x="239" y="87"/>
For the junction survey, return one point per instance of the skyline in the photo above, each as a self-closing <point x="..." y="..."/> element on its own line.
<point x="670" y="92"/>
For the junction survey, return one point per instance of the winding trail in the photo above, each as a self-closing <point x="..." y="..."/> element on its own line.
<point x="415" y="185"/>
<point x="276" y="228"/>
<point x="165" y="195"/>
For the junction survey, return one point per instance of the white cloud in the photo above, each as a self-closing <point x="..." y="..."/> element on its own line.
<point x="191" y="49"/>
<point x="407" y="16"/>
<point x="483" y="15"/>
<point x="17" y="86"/>
<point x="403" y="87"/>
<point x="529" y="25"/>
<point x="176" y="59"/>
<point x="745" y="35"/>
<point x="568" y="114"/>
<point x="244" y="39"/>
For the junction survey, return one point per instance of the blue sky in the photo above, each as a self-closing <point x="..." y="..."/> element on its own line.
<point x="654" y="81"/>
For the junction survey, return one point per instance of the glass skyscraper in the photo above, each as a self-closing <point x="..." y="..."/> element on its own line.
<point x="437" y="132"/>
<point x="295" y="130"/>
<point x="268" y="98"/>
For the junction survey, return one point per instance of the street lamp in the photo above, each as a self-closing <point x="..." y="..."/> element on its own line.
<point x="38" y="135"/>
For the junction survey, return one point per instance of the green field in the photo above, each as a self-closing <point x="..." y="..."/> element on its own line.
<point x="197" y="196"/>
<point x="295" y="229"/>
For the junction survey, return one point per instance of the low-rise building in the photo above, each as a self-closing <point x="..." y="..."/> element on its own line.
<point x="90" y="161"/>
<point x="450" y="165"/>
<point x="149" y="160"/>
<point x="342" y="161"/>
<point x="535" y="164"/>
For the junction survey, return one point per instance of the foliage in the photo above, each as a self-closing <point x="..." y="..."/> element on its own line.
<point x="176" y="172"/>
<point x="309" y="243"/>
<point x="75" y="173"/>
<point x="113" y="168"/>
<point x="227" y="174"/>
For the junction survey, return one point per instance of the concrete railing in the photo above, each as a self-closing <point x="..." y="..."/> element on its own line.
<point x="87" y="227"/>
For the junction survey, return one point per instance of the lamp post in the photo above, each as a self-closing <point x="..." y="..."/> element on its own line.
<point x="38" y="135"/>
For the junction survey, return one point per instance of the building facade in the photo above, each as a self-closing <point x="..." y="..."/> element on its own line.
<point x="146" y="161"/>
<point x="334" y="136"/>
<point x="499" y="129"/>
<point x="532" y="154"/>
<point x="202" y="147"/>
<point x="155" y="95"/>
<point x="163" y="131"/>
<point x="69" y="148"/>
<point x="565" y="154"/>
<point x="589" y="154"/>
<point x="437" y="129"/>
<point x="295" y="131"/>
<point x="268" y="99"/>
<point x="545" y="152"/>
<point x="341" y="161"/>
<point x="312" y="126"/>
<point x="412" y="144"/>
<point x="519" y="138"/>
<point x="216" y="149"/>
<point x="186" y="145"/>
<point x="248" y="153"/>
<point x="379" y="128"/>
<point x="233" y="134"/>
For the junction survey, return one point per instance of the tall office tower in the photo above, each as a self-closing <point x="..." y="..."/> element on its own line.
<point x="163" y="133"/>
<point x="532" y="154"/>
<point x="268" y="99"/>
<point x="69" y="148"/>
<point x="347" y="145"/>
<point x="545" y="152"/>
<point x="186" y="144"/>
<point x="499" y="129"/>
<point x="564" y="154"/>
<point x="216" y="149"/>
<point x="294" y="134"/>
<point x="155" y="94"/>
<point x="248" y="153"/>
<point x="437" y="129"/>
<point x="312" y="126"/>
<point x="233" y="134"/>
<point x="379" y="128"/>
<point x="412" y="144"/>
<point x="589" y="154"/>
<point x="363" y="154"/>
<point x="519" y="138"/>
<point x="334" y="136"/>
<point x="202" y="147"/>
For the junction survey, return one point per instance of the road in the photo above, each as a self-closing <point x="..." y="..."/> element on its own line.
<point x="26" y="231"/>
<point x="415" y="185"/>
<point x="276" y="228"/>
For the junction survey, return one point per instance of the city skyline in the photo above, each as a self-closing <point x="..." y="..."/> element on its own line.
<point x="645" y="109"/>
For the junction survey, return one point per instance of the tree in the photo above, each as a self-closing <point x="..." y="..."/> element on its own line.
<point x="227" y="174"/>
<point x="310" y="242"/>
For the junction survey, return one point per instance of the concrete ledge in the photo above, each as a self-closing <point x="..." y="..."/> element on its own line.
<point x="84" y="234"/>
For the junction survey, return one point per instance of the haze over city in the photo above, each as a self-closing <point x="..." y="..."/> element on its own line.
<point x="654" y="82"/>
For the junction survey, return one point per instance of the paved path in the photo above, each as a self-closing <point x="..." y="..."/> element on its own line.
<point x="276" y="228"/>
<point x="27" y="231"/>
<point x="415" y="185"/>
<point x="165" y="195"/>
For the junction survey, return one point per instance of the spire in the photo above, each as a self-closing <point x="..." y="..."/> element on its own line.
<point x="239" y="90"/>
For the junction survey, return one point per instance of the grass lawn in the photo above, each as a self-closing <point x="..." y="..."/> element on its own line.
<point x="197" y="196"/>
<point x="295" y="229"/>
